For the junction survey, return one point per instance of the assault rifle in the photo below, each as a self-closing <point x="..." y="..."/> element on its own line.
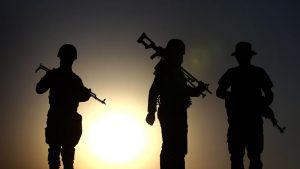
<point x="269" y="114"/>
<point x="91" y="93"/>
<point x="148" y="43"/>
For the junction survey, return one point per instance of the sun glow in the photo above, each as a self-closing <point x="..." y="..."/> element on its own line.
<point x="116" y="137"/>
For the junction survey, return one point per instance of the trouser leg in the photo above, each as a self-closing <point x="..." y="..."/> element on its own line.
<point x="237" y="161"/>
<point x="68" y="153"/>
<point x="255" y="162"/>
<point x="174" y="146"/>
<point x="180" y="162"/>
<point x="255" y="148"/>
<point x="171" y="161"/>
<point x="164" y="161"/>
<point x="236" y="146"/>
<point x="53" y="156"/>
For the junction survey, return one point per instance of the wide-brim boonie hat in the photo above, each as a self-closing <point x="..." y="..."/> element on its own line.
<point x="243" y="48"/>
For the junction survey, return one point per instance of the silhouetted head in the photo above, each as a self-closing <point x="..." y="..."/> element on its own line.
<point x="175" y="50"/>
<point x="67" y="54"/>
<point x="243" y="53"/>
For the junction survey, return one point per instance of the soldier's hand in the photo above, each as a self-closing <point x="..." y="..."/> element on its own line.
<point x="87" y="92"/>
<point x="201" y="87"/>
<point x="274" y="122"/>
<point x="150" y="118"/>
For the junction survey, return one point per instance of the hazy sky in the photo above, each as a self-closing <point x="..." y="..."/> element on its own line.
<point x="115" y="66"/>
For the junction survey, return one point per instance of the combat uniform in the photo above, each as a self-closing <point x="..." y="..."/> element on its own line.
<point x="244" y="110"/>
<point x="64" y="126"/>
<point x="173" y="94"/>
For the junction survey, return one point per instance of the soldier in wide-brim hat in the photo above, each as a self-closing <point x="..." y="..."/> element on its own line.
<point x="245" y="88"/>
<point x="243" y="48"/>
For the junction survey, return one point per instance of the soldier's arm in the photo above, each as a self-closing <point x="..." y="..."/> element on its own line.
<point x="224" y="85"/>
<point x="153" y="95"/>
<point x="152" y="101"/>
<point x="44" y="84"/>
<point x="194" y="91"/>
<point x="222" y="92"/>
<point x="84" y="93"/>
<point x="269" y="96"/>
<point x="267" y="88"/>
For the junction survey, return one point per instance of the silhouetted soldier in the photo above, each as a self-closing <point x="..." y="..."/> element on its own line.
<point x="64" y="128"/>
<point x="247" y="91"/>
<point x="171" y="91"/>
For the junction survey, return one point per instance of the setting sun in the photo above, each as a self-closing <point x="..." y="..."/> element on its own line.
<point x="116" y="137"/>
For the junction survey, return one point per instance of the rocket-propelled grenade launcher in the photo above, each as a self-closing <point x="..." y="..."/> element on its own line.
<point x="148" y="43"/>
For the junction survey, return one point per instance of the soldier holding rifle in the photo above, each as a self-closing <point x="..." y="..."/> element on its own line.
<point x="247" y="92"/>
<point x="66" y="90"/>
<point x="171" y="91"/>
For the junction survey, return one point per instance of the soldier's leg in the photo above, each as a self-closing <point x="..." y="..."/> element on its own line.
<point x="255" y="161"/>
<point x="179" y="162"/>
<point x="172" y="157"/>
<point x="167" y="152"/>
<point x="52" y="133"/>
<point x="165" y="160"/>
<point x="68" y="153"/>
<point x="166" y="148"/>
<point x="180" y="148"/>
<point x="171" y="161"/>
<point x="255" y="148"/>
<point x="236" y="148"/>
<point x="237" y="160"/>
<point x="53" y="156"/>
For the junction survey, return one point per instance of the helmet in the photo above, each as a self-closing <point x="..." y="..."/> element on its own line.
<point x="176" y="46"/>
<point x="67" y="51"/>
